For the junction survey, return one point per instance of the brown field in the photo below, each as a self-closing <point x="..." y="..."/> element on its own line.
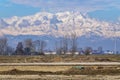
<point x="36" y="68"/>
<point x="59" y="77"/>
<point x="60" y="58"/>
<point x="60" y="72"/>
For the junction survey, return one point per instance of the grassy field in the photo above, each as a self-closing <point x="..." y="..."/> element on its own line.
<point x="60" y="72"/>
<point x="60" y="58"/>
<point x="60" y="77"/>
<point x="35" y="68"/>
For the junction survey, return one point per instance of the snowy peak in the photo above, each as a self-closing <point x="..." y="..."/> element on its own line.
<point x="58" y="24"/>
<point x="3" y="24"/>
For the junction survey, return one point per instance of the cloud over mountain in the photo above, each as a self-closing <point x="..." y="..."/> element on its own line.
<point x="58" y="24"/>
<point x="63" y="5"/>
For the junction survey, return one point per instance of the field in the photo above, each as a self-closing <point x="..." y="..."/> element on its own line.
<point x="60" y="72"/>
<point x="60" y="77"/>
<point x="60" y="58"/>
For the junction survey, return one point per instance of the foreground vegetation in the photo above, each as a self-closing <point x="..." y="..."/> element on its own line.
<point x="60" y="58"/>
<point x="60" y="77"/>
<point x="69" y="73"/>
<point x="73" y="70"/>
<point x="59" y="72"/>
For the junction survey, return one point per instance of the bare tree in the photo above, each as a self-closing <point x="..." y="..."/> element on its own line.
<point x="28" y="43"/>
<point x="65" y="43"/>
<point x="100" y="50"/>
<point x="40" y="46"/>
<point x="19" y="49"/>
<point x="73" y="42"/>
<point x="9" y="50"/>
<point x="88" y="51"/>
<point x="58" y="46"/>
<point x="29" y="48"/>
<point x="3" y="46"/>
<point x="62" y="45"/>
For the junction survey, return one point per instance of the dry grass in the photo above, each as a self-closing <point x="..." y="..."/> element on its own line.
<point x="60" y="73"/>
<point x="59" y="77"/>
<point x="61" y="70"/>
<point x="36" y="68"/>
<point x="60" y="58"/>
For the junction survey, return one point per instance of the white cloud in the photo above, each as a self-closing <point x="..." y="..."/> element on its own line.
<point x="76" y="5"/>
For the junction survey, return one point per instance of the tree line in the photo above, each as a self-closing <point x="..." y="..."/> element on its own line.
<point x="37" y="47"/>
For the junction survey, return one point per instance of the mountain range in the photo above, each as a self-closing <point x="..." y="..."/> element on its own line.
<point x="52" y="26"/>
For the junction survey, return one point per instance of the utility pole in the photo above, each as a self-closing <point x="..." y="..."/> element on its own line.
<point x="115" y="41"/>
<point x="115" y="45"/>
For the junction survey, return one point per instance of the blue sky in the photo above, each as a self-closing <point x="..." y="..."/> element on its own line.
<point x="101" y="9"/>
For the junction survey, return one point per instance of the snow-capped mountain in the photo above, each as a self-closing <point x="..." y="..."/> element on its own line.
<point x="3" y="24"/>
<point x="53" y="26"/>
<point x="58" y="24"/>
